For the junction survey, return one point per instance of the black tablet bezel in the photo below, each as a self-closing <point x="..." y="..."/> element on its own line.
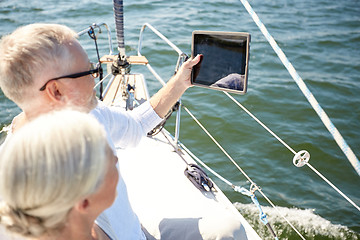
<point x="242" y="35"/>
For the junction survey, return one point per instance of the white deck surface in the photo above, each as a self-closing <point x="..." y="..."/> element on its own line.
<point x="168" y="204"/>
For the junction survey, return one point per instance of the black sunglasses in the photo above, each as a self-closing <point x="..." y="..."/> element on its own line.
<point x="94" y="71"/>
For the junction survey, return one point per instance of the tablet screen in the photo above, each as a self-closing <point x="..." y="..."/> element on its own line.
<point x="224" y="65"/>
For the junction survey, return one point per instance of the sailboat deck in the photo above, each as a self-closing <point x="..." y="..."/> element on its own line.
<point x="166" y="202"/>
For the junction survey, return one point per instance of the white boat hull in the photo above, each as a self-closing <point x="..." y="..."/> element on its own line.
<point x="168" y="205"/>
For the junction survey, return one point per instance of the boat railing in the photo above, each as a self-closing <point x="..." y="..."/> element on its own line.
<point x="98" y="26"/>
<point x="300" y="157"/>
<point x="181" y="59"/>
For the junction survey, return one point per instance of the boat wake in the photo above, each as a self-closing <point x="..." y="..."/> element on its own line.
<point x="310" y="225"/>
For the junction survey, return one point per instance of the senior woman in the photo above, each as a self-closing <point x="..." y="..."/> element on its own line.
<point x="57" y="174"/>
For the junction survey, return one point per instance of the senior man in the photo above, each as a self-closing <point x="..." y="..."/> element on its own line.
<point x="44" y="68"/>
<point x="38" y="63"/>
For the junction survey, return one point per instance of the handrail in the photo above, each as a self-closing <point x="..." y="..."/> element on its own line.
<point x="160" y="35"/>
<point x="181" y="54"/>
<point x="181" y="58"/>
<point x="98" y="25"/>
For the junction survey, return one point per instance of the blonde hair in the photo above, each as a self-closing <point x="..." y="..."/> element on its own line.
<point x="46" y="167"/>
<point x="27" y="52"/>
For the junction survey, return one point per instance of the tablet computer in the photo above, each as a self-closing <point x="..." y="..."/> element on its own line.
<point x="225" y="60"/>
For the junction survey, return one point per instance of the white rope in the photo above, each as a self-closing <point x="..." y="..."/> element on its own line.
<point x="323" y="116"/>
<point x="263" y="125"/>
<point x="333" y="186"/>
<point x="310" y="97"/>
<point x="101" y="80"/>
<point x="311" y="167"/>
<point x="221" y="148"/>
<point x="249" y="179"/>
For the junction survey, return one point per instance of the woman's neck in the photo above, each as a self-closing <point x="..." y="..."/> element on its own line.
<point x="78" y="228"/>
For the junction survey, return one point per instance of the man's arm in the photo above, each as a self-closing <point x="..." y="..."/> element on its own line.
<point x="167" y="96"/>
<point x="125" y="129"/>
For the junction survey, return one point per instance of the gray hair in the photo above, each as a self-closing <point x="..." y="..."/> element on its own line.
<point x="27" y="52"/>
<point x="47" y="167"/>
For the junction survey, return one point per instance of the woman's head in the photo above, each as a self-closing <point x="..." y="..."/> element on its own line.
<point x="47" y="167"/>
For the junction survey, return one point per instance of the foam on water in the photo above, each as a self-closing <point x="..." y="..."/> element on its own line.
<point x="310" y="225"/>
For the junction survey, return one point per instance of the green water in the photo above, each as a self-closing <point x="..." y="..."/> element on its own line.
<point x="320" y="38"/>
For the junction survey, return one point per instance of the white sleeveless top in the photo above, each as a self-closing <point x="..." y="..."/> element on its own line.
<point x="124" y="129"/>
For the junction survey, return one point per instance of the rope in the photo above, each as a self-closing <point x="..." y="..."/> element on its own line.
<point x="333" y="186"/>
<point x="206" y="166"/>
<point x="239" y="189"/>
<point x="310" y="97"/>
<point x="263" y="125"/>
<point x="249" y="179"/>
<point x="311" y="167"/>
<point x="221" y="148"/>
<point x="262" y="216"/>
<point x="102" y="80"/>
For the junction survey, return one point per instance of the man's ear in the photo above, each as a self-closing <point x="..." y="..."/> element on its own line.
<point x="53" y="91"/>
<point x="82" y="205"/>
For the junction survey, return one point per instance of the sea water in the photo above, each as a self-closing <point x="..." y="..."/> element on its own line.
<point x="322" y="41"/>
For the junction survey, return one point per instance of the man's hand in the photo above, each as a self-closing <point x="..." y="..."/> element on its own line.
<point x="184" y="73"/>
<point x="167" y="96"/>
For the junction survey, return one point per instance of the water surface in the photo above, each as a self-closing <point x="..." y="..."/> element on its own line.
<point x="320" y="38"/>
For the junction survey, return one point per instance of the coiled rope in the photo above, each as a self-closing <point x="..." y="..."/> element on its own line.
<point x="241" y="190"/>
<point x="309" y="96"/>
